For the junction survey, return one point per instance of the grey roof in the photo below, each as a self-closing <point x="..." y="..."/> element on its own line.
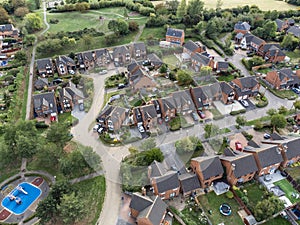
<point x="155" y="60"/>
<point x="139" y="46"/>
<point x="191" y="46"/>
<point x="157" y="106"/>
<point x="6" y="27"/>
<point x="89" y="56"/>
<point x="45" y="99"/>
<point x="239" y="35"/>
<point x="43" y="63"/>
<point x="269" y="156"/>
<point x="275" y="51"/>
<point x="40" y="83"/>
<point x="148" y="111"/>
<point x="223" y="65"/>
<point x="139" y="202"/>
<point x="155" y="212"/>
<point x="102" y="53"/>
<point x="167" y="182"/>
<point x="157" y="169"/>
<point x="116" y="113"/>
<point x="168" y="103"/>
<point x="210" y="166"/>
<point x="212" y="90"/>
<point x="291" y="21"/>
<point x="226" y="88"/>
<point x="120" y="50"/>
<point x="242" y="26"/>
<point x="279" y="23"/>
<point x="247" y="82"/>
<point x="189" y="182"/>
<point x="74" y="91"/>
<point x="199" y="96"/>
<point x="174" y="32"/>
<point x="134" y="64"/>
<point x="204" y="60"/>
<point x="256" y="40"/>
<point x="182" y="99"/>
<point x="293" y="148"/>
<point x="295" y="30"/>
<point x="65" y="60"/>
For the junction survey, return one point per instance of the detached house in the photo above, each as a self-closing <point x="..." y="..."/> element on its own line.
<point x="228" y="93"/>
<point x="242" y="27"/>
<point x="191" y="48"/>
<point x="88" y="59"/>
<point x="221" y="66"/>
<point x="69" y="96"/>
<point x="41" y="84"/>
<point x="147" y="210"/>
<point x="281" y="79"/>
<point x="245" y="87"/>
<point x="281" y="25"/>
<point x="198" y="60"/>
<point x="149" y="116"/>
<point x="200" y="99"/>
<point x="294" y="30"/>
<point x="45" y="105"/>
<point x="121" y="55"/>
<point x="272" y="53"/>
<point x="138" y="51"/>
<point x="102" y="57"/>
<point x="251" y="41"/>
<point x="213" y="92"/>
<point x="183" y="102"/>
<point x="175" y="36"/>
<point x="112" y="117"/>
<point x="44" y="67"/>
<point x="208" y="169"/>
<point x="168" y="108"/>
<point x="65" y="65"/>
<point x="155" y="61"/>
<point x="240" y="167"/>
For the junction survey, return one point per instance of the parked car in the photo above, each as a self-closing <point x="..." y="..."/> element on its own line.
<point x="120" y="86"/>
<point x="296" y="90"/>
<point x="100" y="130"/>
<point x="96" y="127"/>
<point x="141" y="129"/>
<point x="103" y="72"/>
<point x="57" y="81"/>
<point x="267" y="136"/>
<point x="72" y="72"/>
<point x="81" y="107"/>
<point x="201" y="114"/>
<point x="244" y="103"/>
<point x="194" y="116"/>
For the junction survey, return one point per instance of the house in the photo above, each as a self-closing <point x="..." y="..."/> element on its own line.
<point x="191" y="48"/>
<point x="65" y="65"/>
<point x="200" y="99"/>
<point x="238" y="38"/>
<point x="112" y="117"/>
<point x="240" y="167"/>
<point x="44" y="67"/>
<point x="175" y="36"/>
<point x="281" y="79"/>
<point x="41" y="84"/>
<point x="157" y="169"/>
<point x="294" y="30"/>
<point x="138" y="51"/>
<point x="8" y="30"/>
<point x="80" y="61"/>
<point x="290" y="151"/>
<point x="157" y="108"/>
<point x="228" y="93"/>
<point x="198" y="60"/>
<point x="190" y="184"/>
<point x="213" y="92"/>
<point x="102" y="57"/>
<point x="168" y="108"/>
<point x="149" y="116"/>
<point x="147" y="210"/>
<point x="245" y="87"/>
<point x="88" y="59"/>
<point x="139" y="77"/>
<point x="44" y="104"/>
<point x="281" y="25"/>
<point x="221" y="66"/>
<point x="272" y="53"/>
<point x="242" y="27"/>
<point x="155" y="61"/>
<point x="268" y="158"/>
<point x="183" y="102"/>
<point x="69" y="96"/>
<point x="166" y="186"/>
<point x="121" y="56"/>
<point x="208" y="169"/>
<point x="252" y="42"/>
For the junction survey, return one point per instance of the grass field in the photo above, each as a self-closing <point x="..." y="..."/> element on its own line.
<point x="288" y="189"/>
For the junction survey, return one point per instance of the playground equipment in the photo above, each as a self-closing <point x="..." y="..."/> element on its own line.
<point x="19" y="188"/>
<point x="18" y="200"/>
<point x="12" y="197"/>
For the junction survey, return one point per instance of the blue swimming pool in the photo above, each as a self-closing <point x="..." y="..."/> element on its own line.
<point x="17" y="201"/>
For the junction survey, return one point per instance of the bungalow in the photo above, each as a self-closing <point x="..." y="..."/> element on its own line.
<point x="175" y="36"/>
<point x="190" y="184"/>
<point x="191" y="48"/>
<point x="65" y="65"/>
<point x="183" y="102"/>
<point x="245" y="87"/>
<point x="89" y="59"/>
<point x="41" y="84"/>
<point x="147" y="210"/>
<point x="200" y="99"/>
<point x="213" y="92"/>
<point x="166" y="186"/>
<point x="102" y="57"/>
<point x="8" y="30"/>
<point x="208" y="169"/>
<point x="112" y="117"/>
<point x="44" y="67"/>
<point x="242" y="27"/>
<point x="121" y="56"/>
<point x="268" y="158"/>
<point x="155" y="61"/>
<point x="199" y="60"/>
<point x="44" y="105"/>
<point x="281" y="79"/>
<point x="228" y="93"/>
<point x="294" y="30"/>
<point x="272" y="53"/>
<point x="168" y="108"/>
<point x="240" y="167"/>
<point x="138" y="51"/>
<point x="149" y="116"/>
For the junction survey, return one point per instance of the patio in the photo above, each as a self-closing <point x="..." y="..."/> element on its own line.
<point x="268" y="183"/>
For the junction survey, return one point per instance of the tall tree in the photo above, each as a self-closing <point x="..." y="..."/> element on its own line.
<point x="278" y="121"/>
<point x="181" y="10"/>
<point x="33" y="22"/>
<point x="184" y="78"/>
<point x="290" y="42"/>
<point x="172" y="6"/>
<point x="4" y="17"/>
<point x="194" y="8"/>
<point x="58" y="134"/>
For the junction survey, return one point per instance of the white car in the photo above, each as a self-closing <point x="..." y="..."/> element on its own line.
<point x="72" y="72"/>
<point x="141" y="129"/>
<point x="244" y="103"/>
<point x="96" y="127"/>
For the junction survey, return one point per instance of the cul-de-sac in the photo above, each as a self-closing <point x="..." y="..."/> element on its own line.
<point x="149" y="112"/>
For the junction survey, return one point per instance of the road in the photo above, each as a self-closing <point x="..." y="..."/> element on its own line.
<point x="31" y="69"/>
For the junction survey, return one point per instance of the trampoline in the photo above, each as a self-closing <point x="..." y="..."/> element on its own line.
<point x="225" y="209"/>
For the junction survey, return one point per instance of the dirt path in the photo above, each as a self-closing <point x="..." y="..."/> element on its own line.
<point x="138" y="35"/>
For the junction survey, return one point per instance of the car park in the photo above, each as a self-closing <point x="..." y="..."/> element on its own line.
<point x="244" y="103"/>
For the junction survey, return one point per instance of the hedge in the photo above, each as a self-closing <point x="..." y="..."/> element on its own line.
<point x="233" y="113"/>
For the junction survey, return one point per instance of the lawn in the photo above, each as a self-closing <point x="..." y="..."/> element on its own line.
<point x="226" y="78"/>
<point x="295" y="55"/>
<point x="294" y="172"/>
<point x="277" y="221"/>
<point x="155" y="33"/>
<point x="212" y="202"/>
<point x="216" y="113"/>
<point x="288" y="189"/>
<point x="107" y="96"/>
<point x="170" y="60"/>
<point x="254" y="193"/>
<point x="66" y="118"/>
<point x="92" y="193"/>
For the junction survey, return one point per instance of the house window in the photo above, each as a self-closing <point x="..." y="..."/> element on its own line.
<point x="172" y="195"/>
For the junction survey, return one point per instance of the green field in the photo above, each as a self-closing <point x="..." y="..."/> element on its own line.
<point x="288" y="190"/>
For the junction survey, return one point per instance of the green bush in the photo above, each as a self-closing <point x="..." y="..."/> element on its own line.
<point x="229" y="194"/>
<point x="233" y="113"/>
<point x="218" y="117"/>
<point x="261" y="104"/>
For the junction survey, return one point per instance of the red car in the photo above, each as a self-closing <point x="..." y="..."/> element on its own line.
<point x="201" y="114"/>
<point x="238" y="146"/>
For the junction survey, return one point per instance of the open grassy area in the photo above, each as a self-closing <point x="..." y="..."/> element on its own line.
<point x="212" y="202"/>
<point x="92" y="193"/>
<point x="170" y="60"/>
<point x="277" y="221"/>
<point x="288" y="189"/>
<point x="155" y="33"/>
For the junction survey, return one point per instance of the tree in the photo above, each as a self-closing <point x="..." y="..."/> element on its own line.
<point x="21" y="11"/>
<point x="58" y="134"/>
<point x="184" y="78"/>
<point x="87" y="40"/>
<point x="296" y="104"/>
<point x="153" y="154"/>
<point x="148" y="144"/>
<point x="212" y="28"/>
<point x="119" y="26"/>
<point x="181" y="10"/>
<point x="163" y="68"/>
<point x="172" y="6"/>
<point x="272" y="112"/>
<point x="4" y="17"/>
<point x="282" y="110"/>
<point x="188" y="144"/>
<point x="219" y="4"/>
<point x="33" y="22"/>
<point x="267" y="207"/>
<point x="21" y="57"/>
<point x="278" y="121"/>
<point x="195" y="9"/>
<point x="205" y="70"/>
<point x="17" y="3"/>
<point x="133" y="26"/>
<point x="82" y="6"/>
<point x="71" y="208"/>
<point x="255" y="61"/>
<point x="29" y="39"/>
<point x="290" y="42"/>
<point x="211" y="130"/>
<point x="241" y="120"/>
<point x="92" y="159"/>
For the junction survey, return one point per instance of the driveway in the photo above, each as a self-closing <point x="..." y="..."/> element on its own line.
<point x="226" y="109"/>
<point x="250" y="103"/>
